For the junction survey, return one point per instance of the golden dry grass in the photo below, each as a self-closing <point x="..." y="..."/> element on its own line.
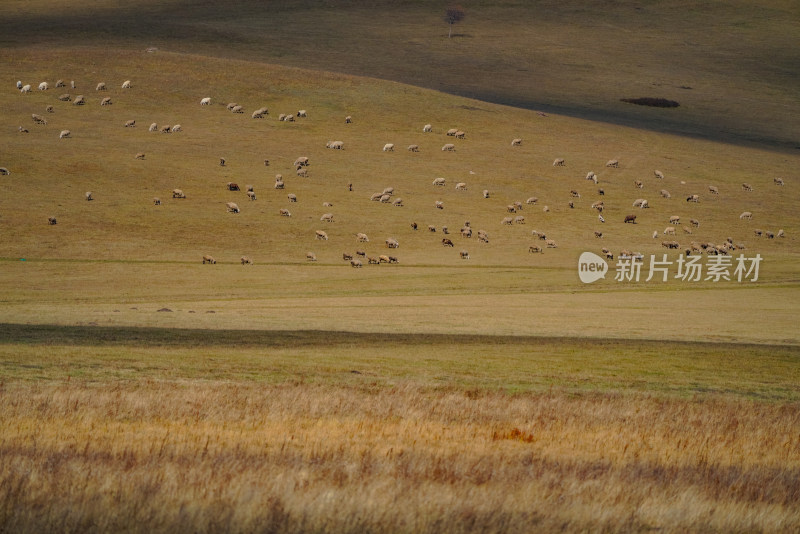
<point x="214" y="457"/>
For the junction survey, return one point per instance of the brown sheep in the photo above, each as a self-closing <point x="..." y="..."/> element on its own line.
<point x="51" y="220"/>
<point x="177" y="193"/>
<point x="446" y="242"/>
<point x="630" y="219"/>
<point x="559" y="162"/>
<point x="233" y="186"/>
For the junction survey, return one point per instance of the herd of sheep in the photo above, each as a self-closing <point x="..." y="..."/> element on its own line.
<point x="508" y="214"/>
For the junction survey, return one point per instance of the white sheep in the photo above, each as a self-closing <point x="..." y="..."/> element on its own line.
<point x="4" y="171"/>
<point x="38" y="119"/>
<point x="44" y="86"/>
<point x="612" y="163"/>
<point x="284" y="212"/>
<point x="485" y="193"/>
<point x="658" y="174"/>
<point x="25" y="89"/>
<point x="388" y="147"/>
<point x="559" y="162"/>
<point x="301" y="113"/>
<point x="139" y="155"/>
<point x="232" y="207"/>
<point x="427" y="128"/>
<point x="302" y="161"/>
<point x="413" y="148"/>
<point x="153" y="128"/>
<point x="88" y="195"/>
<point x="106" y="101"/>
<point x="362" y="237"/>
<point x="327" y="217"/>
<point x="156" y="201"/>
<point x="461" y="186"/>
<point x="178" y="193"/>
<point x="292" y="197"/>
<point x="665" y="193"/>
<point x="251" y="195"/>
<point x="449" y="147"/>
<point x="516" y="142"/>
<point x="439" y="205"/>
<point x="64" y="133"/>
<point x="452" y="131"/>
<point x="322" y="235"/>
<point x="675" y="219"/>
<point x="714" y="190"/>
<point x="177" y="128"/>
<point x="439" y="181"/>
<point x="669" y="230"/>
<point x="100" y="86"/>
<point x="130" y="124"/>
<point x="205" y="101"/>
<point x="507" y="220"/>
<point x="79" y="101"/>
<point x="746" y="215"/>
<point x="66" y="97"/>
<point x="126" y="84"/>
<point x="310" y="256"/>
<point x="392" y="243"/>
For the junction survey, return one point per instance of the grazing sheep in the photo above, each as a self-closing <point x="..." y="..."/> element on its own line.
<point x="414" y="226"/>
<point x="638" y="184"/>
<point x="44" y="86"/>
<point x="507" y="220"/>
<point x="444" y="230"/>
<point x="427" y="128"/>
<point x="559" y="162"/>
<point x="320" y="234"/>
<point x="4" y="171"/>
<point x="483" y="237"/>
<point x="658" y="174"/>
<point x="348" y="119"/>
<point x="447" y="242"/>
<point x="22" y="130"/>
<point x="156" y="201"/>
<point x="310" y="256"/>
<point x="126" y="84"/>
<point x="665" y="194"/>
<point x="284" y="213"/>
<point x="25" y="89"/>
<point x="695" y="223"/>
<point x="550" y="243"/>
<point x="675" y="219"/>
<point x="205" y="101"/>
<point x="431" y="228"/>
<point x="166" y="129"/>
<point x="392" y="243"/>
<point x="388" y="147"/>
<point x="51" y="220"/>
<point x="449" y="147"/>
<point x="452" y="132"/>
<point x="50" y="109"/>
<point x="38" y="119"/>
<point x="511" y="208"/>
<point x="461" y="186"/>
<point x="327" y="217"/>
<point x="413" y="148"/>
<point x="66" y="97"/>
<point x="233" y="186"/>
<point x="302" y="172"/>
<point x="686" y="230"/>
<point x="231" y="105"/>
<point x="781" y="233"/>
<point x="532" y="200"/>
<point x="546" y="209"/>
<point x="376" y="197"/>
<point x="464" y="255"/>
<point x="670" y="244"/>
<point x="100" y="86"/>
<point x="460" y="135"/>
<point x="439" y="181"/>
<point x="130" y="124"/>
<point x="591" y="176"/>
<point x="237" y="109"/>
<point x="64" y="133"/>
<point x="598" y="234"/>
<point x="388" y="191"/>
<point x="393" y="259"/>
<point x="301" y="113"/>
<point x="251" y="195"/>
<point x="72" y="84"/>
<point x="177" y="193"/>
<point x="516" y="142"/>
<point x="60" y="83"/>
<point x="519" y="219"/>
<point x="599" y="206"/>
<point x="373" y="261"/>
<point x="638" y="203"/>
<point x="535" y="249"/>
<point x="302" y="161"/>
<point x="79" y="101"/>
<point x="758" y="232"/>
<point x="714" y="190"/>
<point x="612" y="163"/>
<point x="88" y="195"/>
<point x="398" y="202"/>
<point x="655" y="234"/>
<point x="139" y="155"/>
<point x="466" y="231"/>
<point x="630" y="219"/>
<point x="485" y="193"/>
<point x="232" y="207"/>
<point x="693" y="198"/>
<point x="347" y="256"/>
<point x="356" y="263"/>
<point x="257" y="114"/>
<point x="746" y="215"/>
<point x="292" y="197"/>
<point x="221" y="162"/>
<point x="209" y="259"/>
<point x="574" y="194"/>
<point x="386" y="198"/>
<point x="177" y="128"/>
<point x="279" y="184"/>
<point x="153" y="127"/>
<point x="747" y="187"/>
<point x="670" y="230"/>
<point x="778" y="181"/>
<point x="362" y="238"/>
<point x="439" y="205"/>
<point x="106" y="101"/>
<point x="600" y="217"/>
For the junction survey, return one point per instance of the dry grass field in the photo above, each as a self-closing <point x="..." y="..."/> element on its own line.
<point x="142" y="390"/>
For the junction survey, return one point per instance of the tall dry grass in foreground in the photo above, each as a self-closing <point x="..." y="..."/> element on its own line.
<point x="238" y="457"/>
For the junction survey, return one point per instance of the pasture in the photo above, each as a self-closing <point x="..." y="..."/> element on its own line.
<point x="143" y="390"/>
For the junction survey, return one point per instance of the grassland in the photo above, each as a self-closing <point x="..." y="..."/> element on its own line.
<point x="143" y="391"/>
